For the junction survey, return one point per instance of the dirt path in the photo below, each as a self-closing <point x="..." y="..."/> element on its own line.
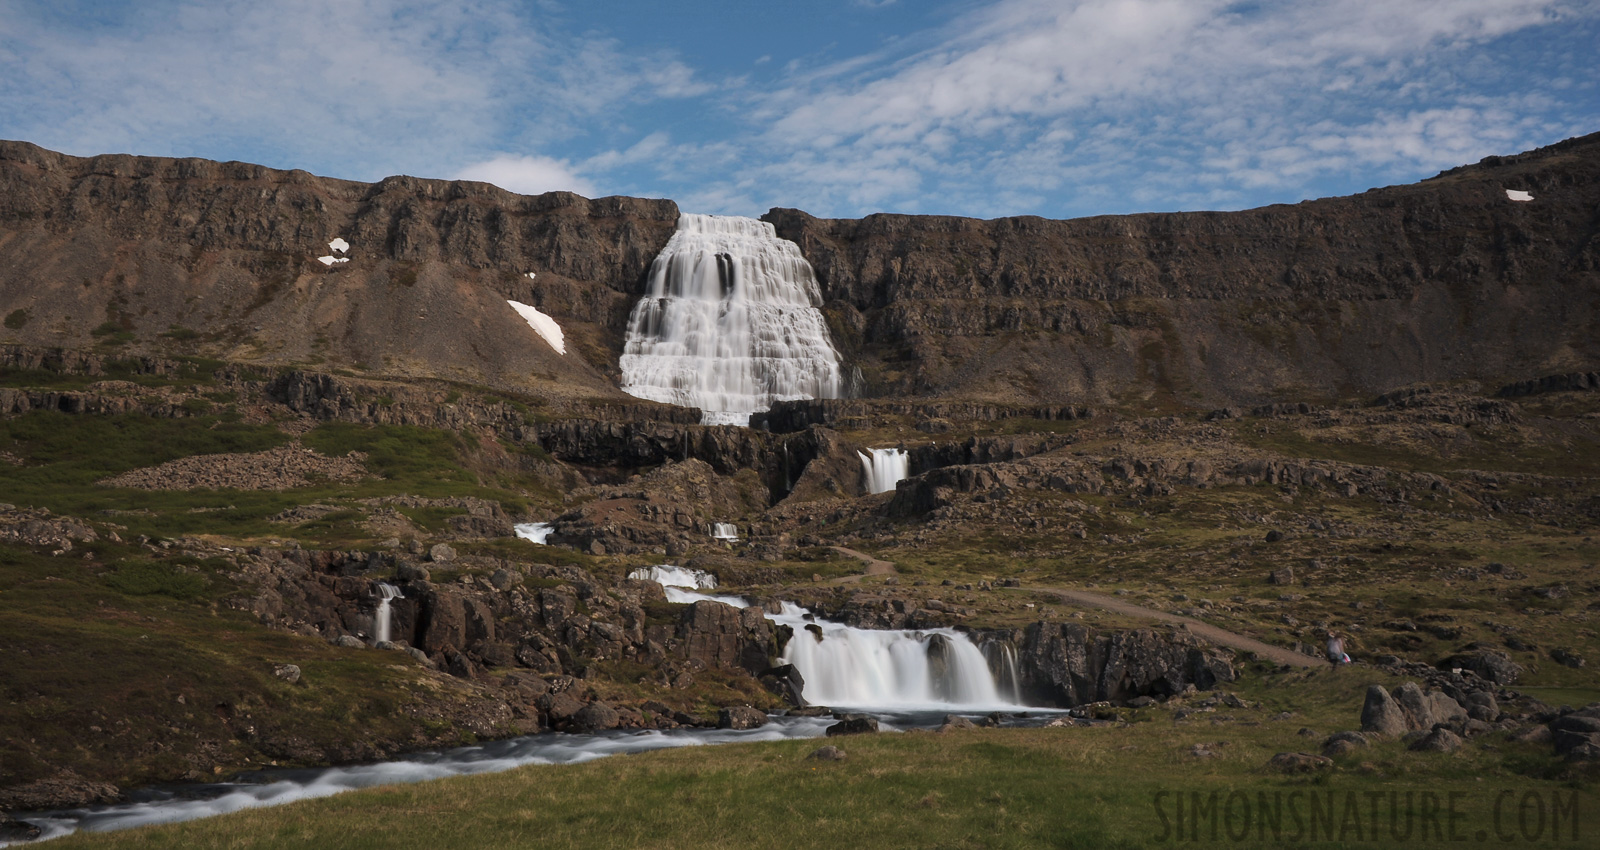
<point x="875" y="567"/>
<point x="1204" y="631"/>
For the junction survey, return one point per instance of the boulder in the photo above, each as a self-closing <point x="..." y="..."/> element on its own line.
<point x="1576" y="732"/>
<point x="740" y="717"/>
<point x="1340" y="743"/>
<point x="786" y="682"/>
<point x="1481" y="705"/>
<point x="953" y="722"/>
<point x="1494" y="666"/>
<point x="441" y="553"/>
<point x="1381" y="715"/>
<point x="594" y="717"/>
<point x="827" y="754"/>
<point x="350" y="642"/>
<point x="1440" y="740"/>
<point x="853" y="724"/>
<point x="559" y="708"/>
<point x="16" y="830"/>
<point x="288" y="672"/>
<point x="1426" y="709"/>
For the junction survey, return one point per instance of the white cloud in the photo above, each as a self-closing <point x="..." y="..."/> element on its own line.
<point x="528" y="175"/>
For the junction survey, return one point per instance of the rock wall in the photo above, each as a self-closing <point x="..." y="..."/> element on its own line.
<point x="1068" y="664"/>
<point x="1445" y="279"/>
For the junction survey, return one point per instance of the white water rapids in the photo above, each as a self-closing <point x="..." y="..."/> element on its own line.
<point x="537" y="532"/>
<point x="729" y="323"/>
<point x="884" y="468"/>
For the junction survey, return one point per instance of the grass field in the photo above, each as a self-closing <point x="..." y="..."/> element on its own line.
<point x="1110" y="787"/>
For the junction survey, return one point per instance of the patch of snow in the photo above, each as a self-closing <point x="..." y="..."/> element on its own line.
<point x="532" y="276"/>
<point x="330" y="260"/>
<point x="543" y="325"/>
<point x="1518" y="195"/>
<point x="339" y="246"/>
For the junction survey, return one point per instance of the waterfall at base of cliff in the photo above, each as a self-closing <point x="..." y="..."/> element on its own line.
<point x="729" y="324"/>
<point x="383" y="621"/>
<point x="535" y="532"/>
<point x="884" y="468"/>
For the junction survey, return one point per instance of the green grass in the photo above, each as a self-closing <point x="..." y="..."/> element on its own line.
<point x="130" y="667"/>
<point x="1106" y="787"/>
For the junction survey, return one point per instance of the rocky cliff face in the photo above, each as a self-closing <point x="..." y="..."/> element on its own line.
<point x="220" y="259"/>
<point x="1444" y="279"/>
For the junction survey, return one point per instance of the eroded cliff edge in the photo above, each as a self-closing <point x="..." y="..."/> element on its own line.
<point x="1447" y="279"/>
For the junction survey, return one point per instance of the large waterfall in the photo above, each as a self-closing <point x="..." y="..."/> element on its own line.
<point x="884" y="468"/>
<point x="729" y="324"/>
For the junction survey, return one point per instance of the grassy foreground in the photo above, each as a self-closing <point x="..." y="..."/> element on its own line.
<point x="1122" y="786"/>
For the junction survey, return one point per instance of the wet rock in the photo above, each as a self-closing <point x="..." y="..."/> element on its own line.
<point x="853" y="724"/>
<point x="786" y="682"/>
<point x="15" y="830"/>
<point x="954" y="722"/>
<point x="741" y="717"/>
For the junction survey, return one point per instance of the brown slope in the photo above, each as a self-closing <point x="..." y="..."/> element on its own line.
<point x="139" y="248"/>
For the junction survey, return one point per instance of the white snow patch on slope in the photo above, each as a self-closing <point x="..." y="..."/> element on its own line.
<point x="543" y="325"/>
<point x="1518" y="195"/>
<point x="330" y="260"/>
<point x="339" y="246"/>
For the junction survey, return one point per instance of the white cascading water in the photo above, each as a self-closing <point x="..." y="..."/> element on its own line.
<point x="537" y="532"/>
<point x="843" y="666"/>
<point x="724" y="531"/>
<point x="384" y="620"/>
<point x="885" y="468"/>
<point x="729" y="323"/>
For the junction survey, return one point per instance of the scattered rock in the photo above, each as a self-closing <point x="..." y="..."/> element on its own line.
<point x="441" y="553"/>
<point x="1298" y="763"/>
<point x="1281" y="577"/>
<point x="1340" y="743"/>
<point x="1494" y="666"/>
<point x="16" y="830"/>
<point x="1440" y="740"/>
<point x="1274" y="536"/>
<point x="1566" y="657"/>
<point x="350" y="642"/>
<point x="827" y="754"/>
<point x="1577" y="735"/>
<point x="288" y="672"/>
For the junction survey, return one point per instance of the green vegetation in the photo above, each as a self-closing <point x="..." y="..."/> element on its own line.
<point x="1106" y="787"/>
<point x="16" y="319"/>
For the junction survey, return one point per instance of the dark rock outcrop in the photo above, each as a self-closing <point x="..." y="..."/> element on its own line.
<point x="1069" y="664"/>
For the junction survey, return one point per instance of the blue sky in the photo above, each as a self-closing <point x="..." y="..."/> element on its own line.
<point x="1059" y="108"/>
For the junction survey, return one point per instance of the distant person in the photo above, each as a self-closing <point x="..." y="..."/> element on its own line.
<point x="1336" y="653"/>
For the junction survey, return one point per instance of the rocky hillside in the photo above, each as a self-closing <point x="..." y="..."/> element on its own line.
<point x="220" y="259"/>
<point x="1446" y="279"/>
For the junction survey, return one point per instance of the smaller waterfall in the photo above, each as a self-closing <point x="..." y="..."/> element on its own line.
<point x="885" y="468"/>
<point x="668" y="575"/>
<point x="1001" y="656"/>
<point x="538" y="532"/>
<point x="383" y="621"/>
<point x="724" y="531"/>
